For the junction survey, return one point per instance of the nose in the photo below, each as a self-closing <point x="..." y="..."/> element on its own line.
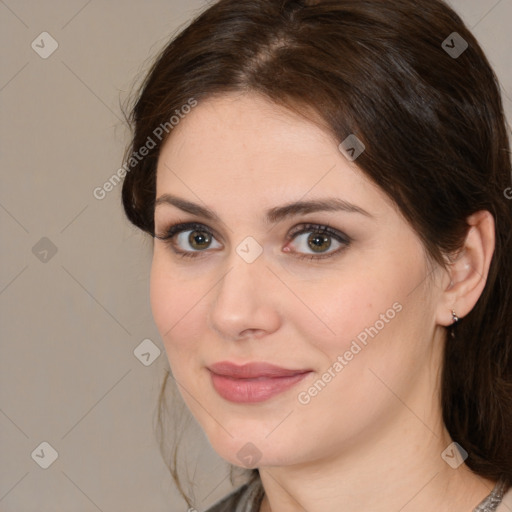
<point x="243" y="303"/>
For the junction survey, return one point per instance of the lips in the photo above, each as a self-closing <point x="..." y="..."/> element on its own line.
<point x="253" y="382"/>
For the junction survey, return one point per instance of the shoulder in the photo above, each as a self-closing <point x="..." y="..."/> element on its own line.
<point x="506" y="502"/>
<point x="246" y="498"/>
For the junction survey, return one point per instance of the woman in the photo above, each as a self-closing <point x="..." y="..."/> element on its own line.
<point x="332" y="275"/>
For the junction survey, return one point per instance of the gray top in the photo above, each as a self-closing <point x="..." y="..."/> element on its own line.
<point x="248" y="498"/>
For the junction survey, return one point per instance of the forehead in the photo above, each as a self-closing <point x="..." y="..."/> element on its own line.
<point x="245" y="125"/>
<point x="245" y="148"/>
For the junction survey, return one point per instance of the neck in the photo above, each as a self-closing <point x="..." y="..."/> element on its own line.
<point x="400" y="468"/>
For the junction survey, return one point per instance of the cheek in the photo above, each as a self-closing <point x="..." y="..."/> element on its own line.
<point x="367" y="312"/>
<point x="174" y="304"/>
<point x="343" y="307"/>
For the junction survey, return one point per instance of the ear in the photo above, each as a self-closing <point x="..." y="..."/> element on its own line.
<point x="467" y="274"/>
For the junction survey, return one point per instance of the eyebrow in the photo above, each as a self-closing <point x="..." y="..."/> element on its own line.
<point x="273" y="215"/>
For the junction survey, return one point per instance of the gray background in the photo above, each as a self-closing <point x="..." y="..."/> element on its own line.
<point x="72" y="319"/>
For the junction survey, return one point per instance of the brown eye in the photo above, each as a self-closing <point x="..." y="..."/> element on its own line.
<point x="199" y="240"/>
<point x="190" y="239"/>
<point x="316" y="241"/>
<point x="319" y="242"/>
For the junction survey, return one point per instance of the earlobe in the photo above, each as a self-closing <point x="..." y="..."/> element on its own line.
<point x="467" y="273"/>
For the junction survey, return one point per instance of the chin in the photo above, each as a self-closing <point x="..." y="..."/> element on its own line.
<point x="255" y="449"/>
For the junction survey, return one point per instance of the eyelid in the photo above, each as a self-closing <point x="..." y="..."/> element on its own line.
<point x="307" y="227"/>
<point x="179" y="227"/>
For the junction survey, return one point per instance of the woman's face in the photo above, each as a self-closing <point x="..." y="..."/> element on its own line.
<point x="341" y="297"/>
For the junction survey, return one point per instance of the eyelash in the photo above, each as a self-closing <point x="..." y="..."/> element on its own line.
<point x="320" y="229"/>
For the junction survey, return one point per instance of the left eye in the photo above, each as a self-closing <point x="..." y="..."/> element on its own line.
<point x="318" y="240"/>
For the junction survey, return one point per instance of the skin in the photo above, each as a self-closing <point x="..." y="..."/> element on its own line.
<point x="372" y="438"/>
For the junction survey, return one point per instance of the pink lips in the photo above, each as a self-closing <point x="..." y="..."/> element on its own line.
<point x="252" y="382"/>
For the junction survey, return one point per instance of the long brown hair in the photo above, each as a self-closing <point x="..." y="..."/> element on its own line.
<point x="412" y="83"/>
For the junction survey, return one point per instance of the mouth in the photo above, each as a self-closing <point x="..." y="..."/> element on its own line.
<point x="253" y="382"/>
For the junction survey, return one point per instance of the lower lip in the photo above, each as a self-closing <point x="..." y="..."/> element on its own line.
<point x="253" y="390"/>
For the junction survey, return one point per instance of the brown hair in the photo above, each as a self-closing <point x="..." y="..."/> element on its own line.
<point x="436" y="143"/>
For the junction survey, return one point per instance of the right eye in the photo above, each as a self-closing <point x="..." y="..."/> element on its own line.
<point x="188" y="239"/>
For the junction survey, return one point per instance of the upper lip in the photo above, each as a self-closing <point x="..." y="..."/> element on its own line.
<point x="252" y="370"/>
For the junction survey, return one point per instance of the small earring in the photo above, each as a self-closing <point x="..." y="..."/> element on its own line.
<point x="455" y="319"/>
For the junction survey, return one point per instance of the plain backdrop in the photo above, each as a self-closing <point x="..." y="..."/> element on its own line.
<point x="81" y="362"/>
